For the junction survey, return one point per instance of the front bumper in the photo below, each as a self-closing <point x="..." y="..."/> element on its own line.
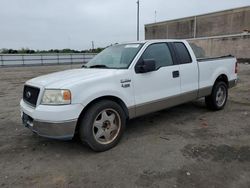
<point x="58" y="122"/>
<point x="55" y="130"/>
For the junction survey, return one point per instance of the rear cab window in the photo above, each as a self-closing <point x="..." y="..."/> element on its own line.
<point x="182" y="53"/>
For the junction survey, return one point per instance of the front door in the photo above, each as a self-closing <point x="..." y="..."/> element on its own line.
<point x="158" y="89"/>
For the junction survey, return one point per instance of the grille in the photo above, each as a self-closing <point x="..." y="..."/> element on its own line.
<point x="30" y="94"/>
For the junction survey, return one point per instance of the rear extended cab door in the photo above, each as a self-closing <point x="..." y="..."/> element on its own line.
<point x="189" y="72"/>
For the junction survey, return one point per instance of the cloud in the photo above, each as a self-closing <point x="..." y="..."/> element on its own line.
<point x="46" y="24"/>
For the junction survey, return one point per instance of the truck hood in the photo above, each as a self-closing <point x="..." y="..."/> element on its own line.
<point x="69" y="77"/>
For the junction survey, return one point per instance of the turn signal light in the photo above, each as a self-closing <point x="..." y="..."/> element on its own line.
<point x="66" y="95"/>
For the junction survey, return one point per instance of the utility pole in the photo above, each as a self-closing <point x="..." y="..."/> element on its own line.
<point x="93" y="45"/>
<point x="155" y="15"/>
<point x="138" y="20"/>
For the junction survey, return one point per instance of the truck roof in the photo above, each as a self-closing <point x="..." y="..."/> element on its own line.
<point x="153" y="41"/>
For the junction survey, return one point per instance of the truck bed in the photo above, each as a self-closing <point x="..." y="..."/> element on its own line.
<point x="214" y="58"/>
<point x="210" y="68"/>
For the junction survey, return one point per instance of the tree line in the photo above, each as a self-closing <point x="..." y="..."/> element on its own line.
<point x="31" y="51"/>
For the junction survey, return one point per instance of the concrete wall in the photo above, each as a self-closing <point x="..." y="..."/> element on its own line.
<point x="183" y="28"/>
<point x="238" y="46"/>
<point x="221" y="23"/>
<point x="201" y="29"/>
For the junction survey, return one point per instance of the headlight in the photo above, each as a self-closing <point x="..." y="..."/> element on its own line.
<point x="56" y="97"/>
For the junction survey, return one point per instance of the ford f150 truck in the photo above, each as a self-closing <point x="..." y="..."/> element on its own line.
<point x="123" y="82"/>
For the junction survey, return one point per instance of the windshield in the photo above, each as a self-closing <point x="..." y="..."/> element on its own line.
<point x="117" y="57"/>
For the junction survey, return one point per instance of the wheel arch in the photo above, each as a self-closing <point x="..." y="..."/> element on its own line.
<point x="96" y="100"/>
<point x="222" y="77"/>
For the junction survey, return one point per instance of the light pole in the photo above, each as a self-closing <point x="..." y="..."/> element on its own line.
<point x="138" y="19"/>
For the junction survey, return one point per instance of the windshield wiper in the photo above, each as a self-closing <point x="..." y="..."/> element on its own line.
<point x="98" y="66"/>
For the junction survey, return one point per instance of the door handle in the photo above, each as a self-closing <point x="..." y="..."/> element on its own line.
<point x="176" y="74"/>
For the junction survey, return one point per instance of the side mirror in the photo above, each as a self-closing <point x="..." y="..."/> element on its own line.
<point x="144" y="66"/>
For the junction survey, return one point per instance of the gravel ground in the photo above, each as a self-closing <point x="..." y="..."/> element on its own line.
<point x="185" y="146"/>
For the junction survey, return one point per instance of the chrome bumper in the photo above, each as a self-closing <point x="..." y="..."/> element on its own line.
<point x="56" y="130"/>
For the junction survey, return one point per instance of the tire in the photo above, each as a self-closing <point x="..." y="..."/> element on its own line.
<point x="218" y="98"/>
<point x="103" y="125"/>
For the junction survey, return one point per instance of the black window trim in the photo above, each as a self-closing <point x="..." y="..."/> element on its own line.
<point x="141" y="45"/>
<point x="176" y="53"/>
<point x="173" y="53"/>
<point x="175" y="62"/>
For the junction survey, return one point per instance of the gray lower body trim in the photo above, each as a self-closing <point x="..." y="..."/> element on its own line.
<point x="161" y="104"/>
<point x="168" y="102"/>
<point x="132" y="112"/>
<point x="208" y="90"/>
<point x="205" y="91"/>
<point x="56" y="130"/>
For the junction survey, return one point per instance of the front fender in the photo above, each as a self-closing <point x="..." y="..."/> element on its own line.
<point x="91" y="91"/>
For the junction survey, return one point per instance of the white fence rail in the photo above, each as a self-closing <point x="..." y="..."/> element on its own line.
<point x="44" y="59"/>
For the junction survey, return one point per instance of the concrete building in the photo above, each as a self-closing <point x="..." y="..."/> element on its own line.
<point x="213" y="34"/>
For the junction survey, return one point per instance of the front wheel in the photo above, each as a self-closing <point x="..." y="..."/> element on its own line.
<point x="218" y="98"/>
<point x="102" y="125"/>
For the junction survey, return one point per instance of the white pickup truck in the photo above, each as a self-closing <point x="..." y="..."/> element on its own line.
<point x="122" y="82"/>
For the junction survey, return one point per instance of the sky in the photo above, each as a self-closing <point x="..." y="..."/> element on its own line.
<point x="58" y="24"/>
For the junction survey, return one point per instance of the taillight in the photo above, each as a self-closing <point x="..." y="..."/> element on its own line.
<point x="236" y="67"/>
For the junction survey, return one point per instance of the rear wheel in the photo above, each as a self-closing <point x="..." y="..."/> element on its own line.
<point x="218" y="98"/>
<point x="103" y="125"/>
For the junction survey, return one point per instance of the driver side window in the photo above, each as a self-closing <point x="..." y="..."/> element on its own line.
<point x="160" y="53"/>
